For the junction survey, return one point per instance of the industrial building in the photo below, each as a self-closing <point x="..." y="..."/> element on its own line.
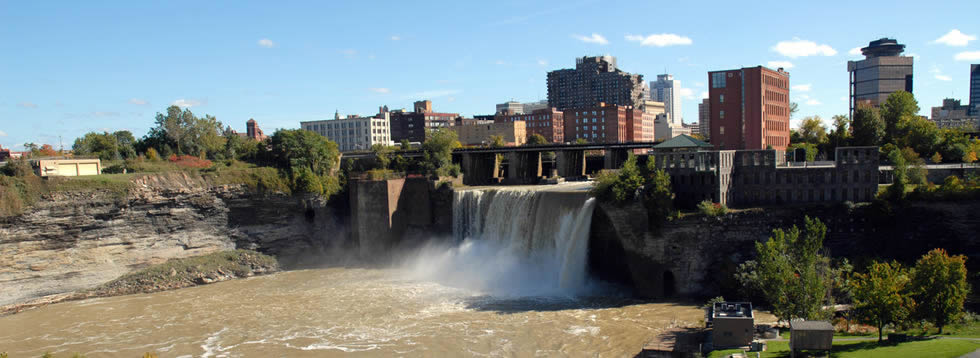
<point x="749" y="108"/>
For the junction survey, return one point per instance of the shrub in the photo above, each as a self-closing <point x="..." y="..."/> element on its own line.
<point x="712" y="209"/>
<point x="190" y="161"/>
<point x="152" y="155"/>
<point x="618" y="187"/>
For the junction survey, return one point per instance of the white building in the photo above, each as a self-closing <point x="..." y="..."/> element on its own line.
<point x="534" y="106"/>
<point x="668" y="90"/>
<point x="664" y="129"/>
<point x="512" y="107"/>
<point x="354" y="133"/>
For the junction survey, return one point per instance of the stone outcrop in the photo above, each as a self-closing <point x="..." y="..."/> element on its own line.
<point x="72" y="241"/>
<point x="697" y="256"/>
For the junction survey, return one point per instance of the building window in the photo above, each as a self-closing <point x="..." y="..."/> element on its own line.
<point x="721" y="114"/>
<point x="718" y="80"/>
<point x="721" y="98"/>
<point x="721" y="130"/>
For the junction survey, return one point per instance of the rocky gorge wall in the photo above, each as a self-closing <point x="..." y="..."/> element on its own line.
<point x="696" y="256"/>
<point x="77" y="240"/>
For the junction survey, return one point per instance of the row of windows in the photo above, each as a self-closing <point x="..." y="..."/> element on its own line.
<point x="718" y="80"/>
<point x="775" y="82"/>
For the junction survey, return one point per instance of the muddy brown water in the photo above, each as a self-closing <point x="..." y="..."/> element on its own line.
<point x="340" y="312"/>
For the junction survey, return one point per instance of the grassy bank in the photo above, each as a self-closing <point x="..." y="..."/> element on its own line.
<point x="934" y="348"/>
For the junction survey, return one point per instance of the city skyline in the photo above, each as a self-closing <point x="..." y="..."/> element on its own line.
<point x="93" y="67"/>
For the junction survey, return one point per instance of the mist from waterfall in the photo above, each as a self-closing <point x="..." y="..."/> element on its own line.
<point x="513" y="242"/>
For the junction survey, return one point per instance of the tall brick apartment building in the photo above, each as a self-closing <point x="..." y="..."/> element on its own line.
<point x="594" y="80"/>
<point x="412" y="125"/>
<point x="749" y="108"/>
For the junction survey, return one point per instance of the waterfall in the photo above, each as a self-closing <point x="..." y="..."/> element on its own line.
<point x="518" y="242"/>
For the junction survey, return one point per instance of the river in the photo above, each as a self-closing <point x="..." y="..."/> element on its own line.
<point x="511" y="282"/>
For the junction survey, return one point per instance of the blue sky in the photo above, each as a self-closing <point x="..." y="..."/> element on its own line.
<point x="67" y="68"/>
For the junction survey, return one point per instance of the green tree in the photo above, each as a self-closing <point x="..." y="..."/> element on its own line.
<point x="923" y="135"/>
<point x="898" y="112"/>
<point x="868" y="128"/>
<point x="900" y="175"/>
<point x="812" y="130"/>
<point x="33" y="148"/>
<point x="103" y="145"/>
<point x="840" y="135"/>
<point x="793" y="109"/>
<point x="790" y="273"/>
<point x="298" y="148"/>
<point x="185" y="133"/>
<point x="936" y="158"/>
<point x="382" y="154"/>
<point x="437" y="152"/>
<point x="619" y="186"/>
<point x="581" y="141"/>
<point x="497" y="141"/>
<point x="939" y="287"/>
<point x="405" y="145"/>
<point x="658" y="198"/>
<point x="536" y="139"/>
<point x="125" y="144"/>
<point x="879" y="295"/>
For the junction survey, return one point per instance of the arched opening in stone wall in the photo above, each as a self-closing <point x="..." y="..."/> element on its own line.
<point x="669" y="284"/>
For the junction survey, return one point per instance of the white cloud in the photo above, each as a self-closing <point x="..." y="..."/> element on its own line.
<point x="843" y="98"/>
<point x="704" y="94"/>
<point x="542" y="62"/>
<point x="499" y="62"/>
<point x="267" y="43"/>
<point x="395" y="37"/>
<point x="27" y="105"/>
<point x="955" y="38"/>
<point x="802" y="48"/>
<point x="777" y="64"/>
<point x="938" y="74"/>
<point x="451" y="99"/>
<point x="660" y="40"/>
<point x="855" y="51"/>
<point x="3" y="134"/>
<point x="944" y="78"/>
<point x="686" y="93"/>
<point x="813" y="102"/>
<point x="138" y="102"/>
<point x="349" y="53"/>
<point x="187" y="103"/>
<point x="380" y="90"/>
<point x="968" y="56"/>
<point x="802" y="88"/>
<point x="594" y="39"/>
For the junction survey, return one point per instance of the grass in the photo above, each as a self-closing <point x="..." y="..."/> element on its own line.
<point x="870" y="348"/>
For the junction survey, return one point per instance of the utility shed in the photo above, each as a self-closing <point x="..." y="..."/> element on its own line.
<point x="811" y="335"/>
<point x="67" y="167"/>
<point x="732" y="324"/>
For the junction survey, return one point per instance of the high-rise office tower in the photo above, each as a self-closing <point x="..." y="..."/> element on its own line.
<point x="667" y="90"/>
<point x="883" y="71"/>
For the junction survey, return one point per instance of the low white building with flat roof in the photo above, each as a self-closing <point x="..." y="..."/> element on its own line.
<point x="354" y="133"/>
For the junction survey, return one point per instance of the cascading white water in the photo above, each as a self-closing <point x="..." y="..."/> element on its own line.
<point x="514" y="242"/>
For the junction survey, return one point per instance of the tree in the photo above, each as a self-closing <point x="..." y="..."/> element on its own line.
<point x="34" y="149"/>
<point x="497" y="141"/>
<point x="793" y="109"/>
<point x="923" y="135"/>
<point x="103" y="145"/>
<point x="879" y="295"/>
<point x="900" y="169"/>
<point x="658" y="198"/>
<point x="382" y="154"/>
<point x="298" y="148"/>
<point x="840" y="135"/>
<point x="437" y="152"/>
<point x="868" y="128"/>
<point x="898" y="111"/>
<point x="186" y="133"/>
<point x="619" y="186"/>
<point x="125" y="144"/>
<point x="536" y="139"/>
<point x="405" y="145"/>
<point x="47" y="151"/>
<point x="916" y="166"/>
<point x="581" y="141"/>
<point x="939" y="287"/>
<point x="812" y="130"/>
<point x="936" y="158"/>
<point x="790" y="272"/>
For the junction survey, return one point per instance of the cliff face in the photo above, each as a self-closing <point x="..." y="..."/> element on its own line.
<point x="72" y="241"/>
<point x="697" y="255"/>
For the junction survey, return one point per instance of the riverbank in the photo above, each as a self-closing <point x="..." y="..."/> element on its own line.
<point x="171" y="275"/>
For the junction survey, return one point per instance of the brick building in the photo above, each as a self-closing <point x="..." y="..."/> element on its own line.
<point x="548" y="122"/>
<point x="412" y="125"/>
<point x="765" y="177"/>
<point x="513" y="133"/>
<point x="749" y="108"/>
<point x="607" y="123"/>
<point x="594" y="80"/>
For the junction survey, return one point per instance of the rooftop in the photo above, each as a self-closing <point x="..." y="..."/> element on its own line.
<point x="732" y="310"/>
<point x="683" y="141"/>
